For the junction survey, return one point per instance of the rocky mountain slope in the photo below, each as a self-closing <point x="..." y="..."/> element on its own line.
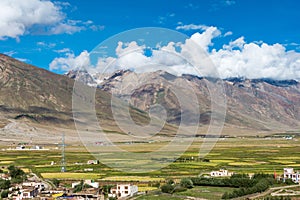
<point x="260" y="104"/>
<point x="35" y="95"/>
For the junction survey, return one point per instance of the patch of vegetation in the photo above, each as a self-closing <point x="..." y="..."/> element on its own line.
<point x="17" y="175"/>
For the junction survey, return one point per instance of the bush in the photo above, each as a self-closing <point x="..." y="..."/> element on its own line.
<point x="155" y="184"/>
<point x="170" y="181"/>
<point x="289" y="182"/>
<point x="106" y="188"/>
<point x="4" y="184"/>
<point x="179" y="188"/>
<point x="56" y="182"/>
<point x="17" y="175"/>
<point x="167" y="188"/>
<point x="4" y="194"/>
<point x="186" y="183"/>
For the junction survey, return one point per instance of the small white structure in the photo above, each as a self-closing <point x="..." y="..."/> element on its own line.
<point x="93" y="162"/>
<point x="220" y="173"/>
<point x="88" y="169"/>
<point x="123" y="190"/>
<point x="289" y="173"/>
<point x="88" y="182"/>
<point x="26" y="193"/>
<point x="20" y="147"/>
<point x="36" y="147"/>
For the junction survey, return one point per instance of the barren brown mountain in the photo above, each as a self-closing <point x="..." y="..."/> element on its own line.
<point x="258" y="104"/>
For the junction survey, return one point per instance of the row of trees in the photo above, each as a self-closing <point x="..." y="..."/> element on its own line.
<point x="244" y="184"/>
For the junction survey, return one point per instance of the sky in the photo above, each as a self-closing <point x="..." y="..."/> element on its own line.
<point x="248" y="38"/>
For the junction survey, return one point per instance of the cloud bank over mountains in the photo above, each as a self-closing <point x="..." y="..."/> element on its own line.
<point x="236" y="59"/>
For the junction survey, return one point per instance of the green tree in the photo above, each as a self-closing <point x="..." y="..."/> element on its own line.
<point x="106" y="188"/>
<point x="17" y="175"/>
<point x="56" y="182"/>
<point x="170" y="181"/>
<point x="167" y="188"/>
<point x="4" y="194"/>
<point x="79" y="187"/>
<point x="4" y="184"/>
<point x="186" y="183"/>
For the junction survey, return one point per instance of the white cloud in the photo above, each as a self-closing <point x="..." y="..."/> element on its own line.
<point x="217" y="5"/>
<point x="65" y="28"/>
<point x="251" y="60"/>
<point x="229" y="2"/>
<point x="71" y="62"/>
<point x="24" y="60"/>
<point x="236" y="59"/>
<point x="35" y="16"/>
<point x="64" y="50"/>
<point x="128" y="48"/>
<point x="188" y="27"/>
<point x="10" y="53"/>
<point x="45" y="44"/>
<point x="228" y="33"/>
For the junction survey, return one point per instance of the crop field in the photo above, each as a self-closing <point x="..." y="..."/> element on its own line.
<point x="240" y="155"/>
<point x="204" y="192"/>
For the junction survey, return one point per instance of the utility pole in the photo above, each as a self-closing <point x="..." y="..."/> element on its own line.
<point x="63" y="159"/>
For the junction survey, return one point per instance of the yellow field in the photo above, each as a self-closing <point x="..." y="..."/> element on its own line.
<point x="26" y="170"/>
<point x="144" y="189"/>
<point x="68" y="175"/>
<point x="241" y="163"/>
<point x="132" y="178"/>
<point x="285" y="162"/>
<point x="5" y="162"/>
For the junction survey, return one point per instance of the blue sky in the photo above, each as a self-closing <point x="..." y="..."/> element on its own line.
<point x="76" y="26"/>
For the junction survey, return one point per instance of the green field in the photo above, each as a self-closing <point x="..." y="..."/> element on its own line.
<point x="211" y="193"/>
<point x="241" y="155"/>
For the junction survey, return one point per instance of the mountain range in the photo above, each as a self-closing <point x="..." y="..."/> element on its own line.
<point x="259" y="104"/>
<point x="31" y="97"/>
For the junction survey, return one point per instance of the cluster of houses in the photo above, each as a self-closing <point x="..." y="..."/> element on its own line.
<point x="36" y="189"/>
<point x="29" y="190"/>
<point x="23" y="147"/>
<point x="220" y="173"/>
<point x="288" y="173"/>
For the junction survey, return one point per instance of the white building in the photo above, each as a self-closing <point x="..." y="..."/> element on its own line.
<point x="123" y="190"/>
<point x="289" y="173"/>
<point x="20" y="147"/>
<point x="25" y="193"/>
<point x="93" y="162"/>
<point x="39" y="185"/>
<point x="220" y="173"/>
<point x="87" y="182"/>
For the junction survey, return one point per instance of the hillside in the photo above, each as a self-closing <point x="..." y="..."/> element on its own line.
<point x="258" y="104"/>
<point x="31" y="97"/>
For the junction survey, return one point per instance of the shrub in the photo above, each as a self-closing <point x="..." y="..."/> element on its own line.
<point x="4" y="194"/>
<point x="4" y="184"/>
<point x="170" y="181"/>
<point x="179" y="188"/>
<point x="167" y="188"/>
<point x="56" y="182"/>
<point x="186" y="183"/>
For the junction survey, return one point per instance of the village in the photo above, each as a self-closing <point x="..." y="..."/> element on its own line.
<point x="16" y="184"/>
